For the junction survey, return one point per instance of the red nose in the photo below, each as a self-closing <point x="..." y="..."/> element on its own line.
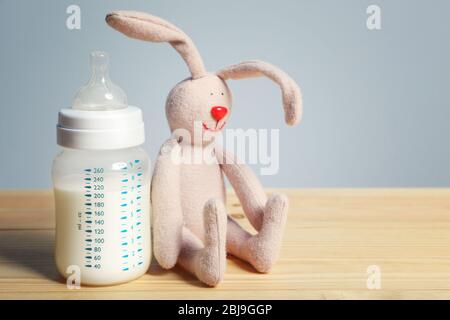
<point x="218" y="112"/>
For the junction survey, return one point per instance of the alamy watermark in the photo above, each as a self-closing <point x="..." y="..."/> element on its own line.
<point x="373" y="21"/>
<point x="73" y="21"/>
<point x="373" y="277"/>
<point x="230" y="146"/>
<point x="74" y="277"/>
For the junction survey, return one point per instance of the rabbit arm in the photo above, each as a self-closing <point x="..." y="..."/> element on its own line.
<point x="166" y="205"/>
<point x="246" y="185"/>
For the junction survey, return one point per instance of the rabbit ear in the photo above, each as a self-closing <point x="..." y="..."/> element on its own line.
<point x="292" y="98"/>
<point x="143" y="26"/>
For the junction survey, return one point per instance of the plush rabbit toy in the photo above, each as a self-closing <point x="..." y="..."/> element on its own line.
<point x="190" y="222"/>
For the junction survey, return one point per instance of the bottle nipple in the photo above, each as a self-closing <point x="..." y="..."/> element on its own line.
<point x="100" y="93"/>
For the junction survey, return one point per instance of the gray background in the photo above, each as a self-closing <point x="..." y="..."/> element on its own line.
<point x="377" y="103"/>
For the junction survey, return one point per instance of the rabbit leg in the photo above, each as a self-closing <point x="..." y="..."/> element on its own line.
<point x="167" y="213"/>
<point x="207" y="261"/>
<point x="260" y="250"/>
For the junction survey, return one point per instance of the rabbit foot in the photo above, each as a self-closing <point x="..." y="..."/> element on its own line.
<point x="211" y="260"/>
<point x="263" y="248"/>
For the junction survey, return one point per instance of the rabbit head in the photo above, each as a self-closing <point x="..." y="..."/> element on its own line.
<point x="203" y="101"/>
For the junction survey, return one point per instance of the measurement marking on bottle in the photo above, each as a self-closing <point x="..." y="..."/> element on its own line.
<point x="112" y="215"/>
<point x="139" y="248"/>
<point x="125" y="214"/>
<point x="131" y="183"/>
<point x="87" y="204"/>
<point x="94" y="215"/>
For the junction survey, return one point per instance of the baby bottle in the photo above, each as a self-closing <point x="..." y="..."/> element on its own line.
<point x="101" y="180"/>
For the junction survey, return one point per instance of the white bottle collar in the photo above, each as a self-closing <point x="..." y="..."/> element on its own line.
<point x="100" y="130"/>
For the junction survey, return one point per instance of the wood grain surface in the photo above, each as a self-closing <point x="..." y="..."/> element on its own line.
<point x="332" y="237"/>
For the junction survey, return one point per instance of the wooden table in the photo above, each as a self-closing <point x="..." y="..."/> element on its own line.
<point x="333" y="236"/>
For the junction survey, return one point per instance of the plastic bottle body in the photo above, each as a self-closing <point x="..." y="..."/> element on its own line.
<point x="102" y="205"/>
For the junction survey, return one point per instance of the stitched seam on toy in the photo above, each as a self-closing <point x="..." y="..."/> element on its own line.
<point x="219" y="242"/>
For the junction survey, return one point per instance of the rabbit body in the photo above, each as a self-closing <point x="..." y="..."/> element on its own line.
<point x="190" y="223"/>
<point x="198" y="184"/>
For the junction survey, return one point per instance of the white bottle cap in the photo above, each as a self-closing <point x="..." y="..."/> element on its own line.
<point x="100" y="130"/>
<point x="100" y="118"/>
